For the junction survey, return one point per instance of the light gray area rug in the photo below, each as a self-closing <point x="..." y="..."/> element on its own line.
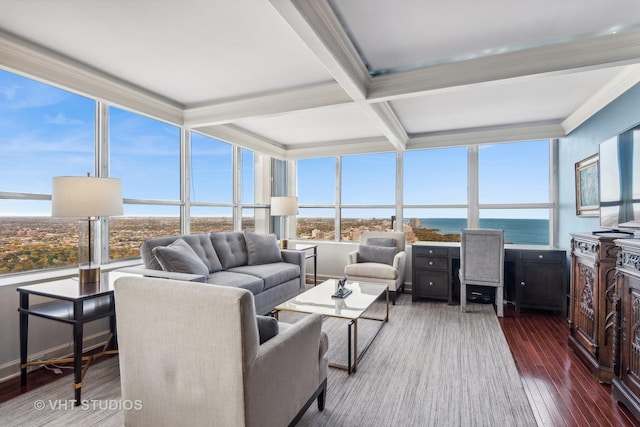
<point x="431" y="365"/>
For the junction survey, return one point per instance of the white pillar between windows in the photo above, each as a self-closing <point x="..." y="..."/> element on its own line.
<point x="473" y="214"/>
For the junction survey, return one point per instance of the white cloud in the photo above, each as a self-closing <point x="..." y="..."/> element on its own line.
<point x="61" y="119"/>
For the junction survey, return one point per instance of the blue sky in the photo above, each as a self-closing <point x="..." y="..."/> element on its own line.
<point x="46" y="132"/>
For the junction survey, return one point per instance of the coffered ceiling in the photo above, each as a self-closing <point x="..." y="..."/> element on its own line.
<point x="301" y="78"/>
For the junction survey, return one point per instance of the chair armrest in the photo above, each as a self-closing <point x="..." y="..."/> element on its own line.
<point x="298" y="258"/>
<point x="399" y="262"/>
<point x="149" y="272"/>
<point x="292" y="354"/>
<point x="352" y="257"/>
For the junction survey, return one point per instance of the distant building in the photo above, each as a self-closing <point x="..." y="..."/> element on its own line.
<point x="414" y="223"/>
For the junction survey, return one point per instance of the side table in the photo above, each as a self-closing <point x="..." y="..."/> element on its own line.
<point x="73" y="304"/>
<point x="308" y="247"/>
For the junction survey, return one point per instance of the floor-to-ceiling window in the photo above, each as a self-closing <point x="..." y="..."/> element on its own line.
<point x="435" y="194"/>
<point x="211" y="184"/>
<point x="316" y="183"/>
<point x="514" y="190"/>
<point x="145" y="155"/>
<point x="444" y="190"/>
<point x="45" y="132"/>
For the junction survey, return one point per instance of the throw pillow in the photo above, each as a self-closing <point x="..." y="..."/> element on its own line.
<point x="267" y="328"/>
<point x="179" y="257"/>
<point x="262" y="248"/>
<point x="388" y="242"/>
<point x="378" y="254"/>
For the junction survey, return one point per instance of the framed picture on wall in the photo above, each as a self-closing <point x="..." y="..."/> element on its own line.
<point x="587" y="198"/>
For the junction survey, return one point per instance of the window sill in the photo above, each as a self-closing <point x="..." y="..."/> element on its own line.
<point x="21" y="279"/>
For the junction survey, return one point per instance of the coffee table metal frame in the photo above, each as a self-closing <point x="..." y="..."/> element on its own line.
<point x="318" y="300"/>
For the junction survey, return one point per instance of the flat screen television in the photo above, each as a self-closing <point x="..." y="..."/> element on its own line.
<point x="619" y="164"/>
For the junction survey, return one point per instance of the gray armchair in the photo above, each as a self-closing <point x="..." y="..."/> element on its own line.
<point x="381" y="258"/>
<point x="190" y="353"/>
<point x="482" y="263"/>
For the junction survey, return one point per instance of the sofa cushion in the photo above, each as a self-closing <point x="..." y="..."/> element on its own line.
<point x="371" y="269"/>
<point x="262" y="248"/>
<point x="231" y="248"/>
<point x="379" y="254"/>
<point x="267" y="328"/>
<point x="181" y="258"/>
<point x="237" y="280"/>
<point x="271" y="274"/>
<point x="200" y="243"/>
<point x="387" y="242"/>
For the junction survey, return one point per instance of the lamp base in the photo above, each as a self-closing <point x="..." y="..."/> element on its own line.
<point x="284" y="244"/>
<point x="89" y="275"/>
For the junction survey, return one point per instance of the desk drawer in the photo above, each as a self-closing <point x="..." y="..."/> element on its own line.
<point x="542" y="256"/>
<point x="429" y="251"/>
<point x="432" y="263"/>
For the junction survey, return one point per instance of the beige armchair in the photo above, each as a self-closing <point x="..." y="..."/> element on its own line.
<point x="190" y="355"/>
<point x="384" y="265"/>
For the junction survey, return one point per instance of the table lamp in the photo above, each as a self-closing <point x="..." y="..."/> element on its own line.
<point x="88" y="198"/>
<point x="284" y="207"/>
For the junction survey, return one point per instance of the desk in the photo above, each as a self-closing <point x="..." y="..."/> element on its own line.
<point x="534" y="275"/>
<point x="73" y="304"/>
<point x="306" y="247"/>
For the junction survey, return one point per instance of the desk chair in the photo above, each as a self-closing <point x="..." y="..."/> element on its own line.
<point x="482" y="263"/>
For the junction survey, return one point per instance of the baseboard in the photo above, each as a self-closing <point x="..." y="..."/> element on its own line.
<point x="11" y="369"/>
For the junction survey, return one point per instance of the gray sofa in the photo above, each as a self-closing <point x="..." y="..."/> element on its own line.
<point x="246" y="260"/>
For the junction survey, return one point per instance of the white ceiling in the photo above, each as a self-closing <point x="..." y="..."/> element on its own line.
<point x="291" y="77"/>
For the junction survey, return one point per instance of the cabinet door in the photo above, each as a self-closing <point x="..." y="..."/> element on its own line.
<point x="432" y="284"/>
<point x="630" y="349"/>
<point x="540" y="283"/>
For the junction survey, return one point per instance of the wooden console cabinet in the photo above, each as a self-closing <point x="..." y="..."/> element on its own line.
<point x="591" y="302"/>
<point x="626" y="386"/>
<point x="534" y="277"/>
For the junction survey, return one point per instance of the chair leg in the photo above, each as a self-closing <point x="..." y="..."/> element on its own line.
<point x="321" y="397"/>
<point x="393" y="297"/>
<point x="463" y="297"/>
<point x="500" y="302"/>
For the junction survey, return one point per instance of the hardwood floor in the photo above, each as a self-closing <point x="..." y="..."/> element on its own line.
<point x="561" y="390"/>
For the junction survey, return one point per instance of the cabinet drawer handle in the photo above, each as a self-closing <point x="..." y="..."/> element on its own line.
<point x="430" y="283"/>
<point x="430" y="262"/>
<point x="541" y="256"/>
<point x="522" y="284"/>
<point x="431" y="251"/>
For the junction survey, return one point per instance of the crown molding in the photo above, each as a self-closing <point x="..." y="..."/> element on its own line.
<point x="20" y="56"/>
<point x="487" y="135"/>
<point x="314" y="96"/>
<point x="622" y="82"/>
<point x="579" y="55"/>
<point x="249" y="140"/>
<point x="339" y="148"/>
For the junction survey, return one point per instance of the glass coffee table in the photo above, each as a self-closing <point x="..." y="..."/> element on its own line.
<point x="319" y="300"/>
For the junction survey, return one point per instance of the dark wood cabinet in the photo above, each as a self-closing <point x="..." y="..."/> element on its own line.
<point x="534" y="278"/>
<point x="591" y="303"/>
<point x="541" y="280"/>
<point x="626" y="334"/>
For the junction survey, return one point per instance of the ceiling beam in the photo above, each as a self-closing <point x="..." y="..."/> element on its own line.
<point x="579" y="55"/>
<point x="339" y="148"/>
<point x="315" y="96"/>
<point x="386" y="120"/>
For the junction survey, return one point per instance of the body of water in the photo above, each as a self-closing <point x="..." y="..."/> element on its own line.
<point x="516" y="231"/>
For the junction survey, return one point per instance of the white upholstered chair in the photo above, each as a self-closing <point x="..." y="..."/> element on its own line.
<point x="385" y="265"/>
<point x="482" y="263"/>
<point x="190" y="354"/>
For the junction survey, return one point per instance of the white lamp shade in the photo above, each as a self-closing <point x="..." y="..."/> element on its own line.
<point x="284" y="206"/>
<point x="85" y="196"/>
